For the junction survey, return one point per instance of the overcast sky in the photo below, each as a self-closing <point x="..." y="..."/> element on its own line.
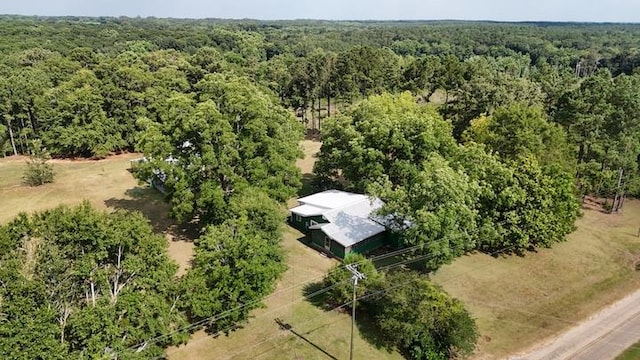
<point x="507" y="10"/>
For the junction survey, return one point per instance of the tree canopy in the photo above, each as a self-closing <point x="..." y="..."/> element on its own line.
<point x="446" y="198"/>
<point x="231" y="137"/>
<point x="77" y="282"/>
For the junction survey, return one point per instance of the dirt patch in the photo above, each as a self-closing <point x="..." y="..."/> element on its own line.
<point x="310" y="148"/>
<point x="181" y="252"/>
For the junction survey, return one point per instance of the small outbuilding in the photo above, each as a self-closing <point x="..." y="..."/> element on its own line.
<point x="339" y="222"/>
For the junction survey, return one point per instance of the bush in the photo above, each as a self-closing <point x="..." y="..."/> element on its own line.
<point x="39" y="171"/>
<point x="338" y="279"/>
<point x="422" y="320"/>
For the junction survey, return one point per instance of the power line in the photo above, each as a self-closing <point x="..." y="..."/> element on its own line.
<point x="380" y="292"/>
<point x="226" y="313"/>
<point x="357" y="275"/>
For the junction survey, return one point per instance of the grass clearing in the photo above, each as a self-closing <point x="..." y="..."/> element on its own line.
<point x="107" y="184"/>
<point x="519" y="301"/>
<point x="314" y="333"/>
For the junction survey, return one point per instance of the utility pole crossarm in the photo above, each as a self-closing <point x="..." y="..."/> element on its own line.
<point x="357" y="275"/>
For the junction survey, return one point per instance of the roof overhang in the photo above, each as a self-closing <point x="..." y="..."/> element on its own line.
<point x="308" y="210"/>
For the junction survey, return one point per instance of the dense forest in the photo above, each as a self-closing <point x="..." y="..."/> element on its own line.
<point x="83" y="84"/>
<point x="478" y="136"/>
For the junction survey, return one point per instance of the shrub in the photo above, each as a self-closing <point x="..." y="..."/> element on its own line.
<point x="39" y="171"/>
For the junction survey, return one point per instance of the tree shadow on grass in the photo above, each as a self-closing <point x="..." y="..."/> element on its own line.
<point x="289" y="327"/>
<point x="314" y="293"/>
<point x="308" y="186"/>
<point x="152" y="205"/>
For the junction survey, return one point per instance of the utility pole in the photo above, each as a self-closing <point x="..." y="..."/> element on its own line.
<point x="356" y="276"/>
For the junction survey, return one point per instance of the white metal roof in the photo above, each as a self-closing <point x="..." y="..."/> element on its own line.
<point x="348" y="215"/>
<point x="308" y="210"/>
<point x="349" y="229"/>
<point x="332" y="199"/>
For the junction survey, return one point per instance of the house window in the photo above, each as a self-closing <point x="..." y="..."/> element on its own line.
<point x="298" y="218"/>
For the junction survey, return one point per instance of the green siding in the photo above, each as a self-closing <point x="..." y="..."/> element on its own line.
<point x="302" y="223"/>
<point x="294" y="222"/>
<point x="337" y="250"/>
<point x="369" y="244"/>
<point x="317" y="238"/>
<point x="394" y="239"/>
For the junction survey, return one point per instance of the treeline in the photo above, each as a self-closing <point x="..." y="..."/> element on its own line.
<point x="81" y="85"/>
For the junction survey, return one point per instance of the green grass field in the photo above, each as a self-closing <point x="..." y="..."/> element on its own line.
<point x="96" y="181"/>
<point x="107" y="184"/>
<point x="517" y="301"/>
<point x="632" y="353"/>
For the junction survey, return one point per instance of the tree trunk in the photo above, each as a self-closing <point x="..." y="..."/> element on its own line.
<point x="319" y="108"/>
<point x="580" y="153"/>
<point x="304" y="115"/>
<point x="618" y="195"/>
<point x="93" y="294"/>
<point x="116" y="277"/>
<point x="24" y="136"/>
<point x="62" y="320"/>
<point x="32" y="118"/>
<point x="328" y="106"/>
<point x="13" y="142"/>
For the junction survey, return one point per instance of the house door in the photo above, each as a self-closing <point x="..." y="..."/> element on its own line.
<point x="327" y="243"/>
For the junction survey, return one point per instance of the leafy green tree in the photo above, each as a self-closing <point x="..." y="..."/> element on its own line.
<point x="235" y="136"/>
<point x="436" y="209"/>
<point x="4" y="140"/>
<point x="88" y="283"/>
<point x="421" y="320"/>
<point x="421" y="75"/>
<point x="555" y="82"/>
<point x="385" y="136"/>
<point x="39" y="171"/>
<point x="583" y="113"/>
<point x="519" y="130"/>
<point x="234" y="267"/>
<point x="520" y="204"/>
<point x="76" y="123"/>
<point x="339" y="279"/>
<point x="490" y="84"/>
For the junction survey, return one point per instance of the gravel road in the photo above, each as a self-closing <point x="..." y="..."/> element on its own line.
<point x="602" y="337"/>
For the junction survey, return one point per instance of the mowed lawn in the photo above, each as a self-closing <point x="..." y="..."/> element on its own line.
<point x="107" y="184"/>
<point x="521" y="301"/>
<point x="314" y="333"/>
<point x="632" y="353"/>
<point x="517" y="301"/>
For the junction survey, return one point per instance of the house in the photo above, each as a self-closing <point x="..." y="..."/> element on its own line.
<point x="339" y="222"/>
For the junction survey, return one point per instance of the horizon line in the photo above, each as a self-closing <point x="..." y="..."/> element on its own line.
<point x="152" y="17"/>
